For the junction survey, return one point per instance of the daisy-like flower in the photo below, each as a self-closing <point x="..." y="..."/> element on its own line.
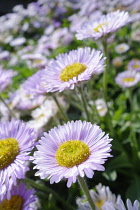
<point x="71" y="150"/>
<point x="122" y="48"/>
<point x="69" y="69"/>
<point x="23" y="100"/>
<point x="99" y="197"/>
<point x="120" y="205"/>
<point x="33" y="84"/>
<point x="101" y="107"/>
<point x="127" y="78"/>
<point x="134" y="64"/>
<point x="104" y="25"/>
<point x="16" y="141"/>
<point x="6" y="78"/>
<point x="21" y="198"/>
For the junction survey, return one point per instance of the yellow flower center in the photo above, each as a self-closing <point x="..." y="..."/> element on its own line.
<point x="72" y="153"/>
<point x="72" y="71"/>
<point x="99" y="204"/>
<point x="128" y="79"/>
<point x="15" y="203"/>
<point x="135" y="66"/>
<point x="9" y="149"/>
<point x="97" y="29"/>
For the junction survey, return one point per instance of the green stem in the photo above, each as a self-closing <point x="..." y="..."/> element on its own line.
<point x="132" y="133"/>
<point x="60" y="109"/>
<point x="48" y="190"/>
<point x="86" y="191"/>
<point x="10" y="111"/>
<point x="84" y="102"/>
<point x="105" y="49"/>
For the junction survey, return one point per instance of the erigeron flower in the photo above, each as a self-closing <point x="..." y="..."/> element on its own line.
<point x="71" y="68"/>
<point x="71" y="150"/>
<point x="120" y="205"/>
<point x="101" y="107"/>
<point x="21" y="198"/>
<point x="122" y="48"/>
<point x="134" y="64"/>
<point x="44" y="113"/>
<point x="127" y="78"/>
<point x="104" y="25"/>
<point x="6" y="78"/>
<point x="136" y="35"/>
<point x="33" y="84"/>
<point x="23" y="100"/>
<point x="18" y="41"/>
<point x="100" y="195"/>
<point x="16" y="141"/>
<point x="117" y="62"/>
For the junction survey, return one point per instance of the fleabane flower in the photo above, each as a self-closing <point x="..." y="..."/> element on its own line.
<point x="21" y="198"/>
<point x="134" y="64"/>
<point x="73" y="149"/>
<point x="71" y="68"/>
<point x="122" y="48"/>
<point x="120" y="205"/>
<point x="100" y="195"/>
<point x="33" y="84"/>
<point x="104" y="25"/>
<point x="16" y="141"/>
<point x="127" y="78"/>
<point x="6" y="78"/>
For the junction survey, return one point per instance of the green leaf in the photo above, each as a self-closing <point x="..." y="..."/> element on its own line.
<point x="120" y="161"/>
<point x="110" y="175"/>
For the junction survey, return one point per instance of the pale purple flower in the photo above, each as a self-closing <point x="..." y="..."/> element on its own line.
<point x="33" y="84"/>
<point x="6" y="78"/>
<point x="134" y="64"/>
<point x="23" y="100"/>
<point x="71" y="68"/>
<point x="26" y="198"/>
<point x="73" y="149"/>
<point x="127" y="78"/>
<point x="17" y="41"/>
<point x="100" y="195"/>
<point x="16" y="142"/>
<point x="122" y="48"/>
<point x="104" y="25"/>
<point x="120" y="205"/>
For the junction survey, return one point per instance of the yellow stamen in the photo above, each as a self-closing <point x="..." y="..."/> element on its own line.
<point x="136" y="66"/>
<point x="72" y="153"/>
<point x="72" y="71"/>
<point x="99" y="204"/>
<point x="97" y="29"/>
<point x="9" y="149"/>
<point x="128" y="79"/>
<point x="15" y="203"/>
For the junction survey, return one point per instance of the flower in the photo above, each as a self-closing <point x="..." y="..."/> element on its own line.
<point x="16" y="141"/>
<point x="122" y="48"/>
<point x="18" y="41"/>
<point x="25" y="101"/>
<point x="6" y="78"/>
<point x="73" y="149"/>
<point x="101" y="107"/>
<point x="127" y="78"/>
<point x="120" y="205"/>
<point x="21" y="198"/>
<point x="99" y="197"/>
<point x="106" y="24"/>
<point x="134" y="64"/>
<point x="69" y="69"/>
<point x="117" y="62"/>
<point x="33" y="84"/>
